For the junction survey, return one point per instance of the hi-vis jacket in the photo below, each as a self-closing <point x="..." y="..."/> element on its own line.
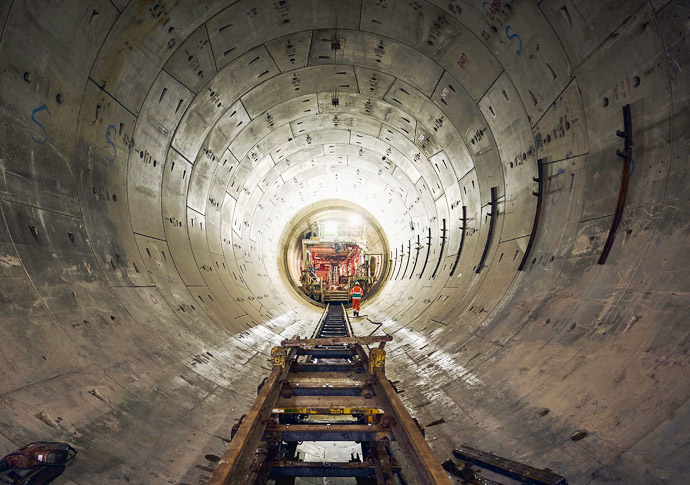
<point x="356" y="292"/>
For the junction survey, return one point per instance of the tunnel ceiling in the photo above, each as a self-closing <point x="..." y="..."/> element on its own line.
<point x="154" y="152"/>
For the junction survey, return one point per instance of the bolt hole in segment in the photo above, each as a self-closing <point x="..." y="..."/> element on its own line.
<point x="328" y="410"/>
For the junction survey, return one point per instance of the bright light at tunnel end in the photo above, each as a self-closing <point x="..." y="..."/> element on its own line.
<point x="330" y="227"/>
<point x="356" y="220"/>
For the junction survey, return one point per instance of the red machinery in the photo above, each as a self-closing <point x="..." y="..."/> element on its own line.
<point x="336" y="261"/>
<point x="37" y="463"/>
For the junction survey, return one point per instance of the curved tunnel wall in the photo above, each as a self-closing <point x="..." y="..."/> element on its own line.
<point x="152" y="153"/>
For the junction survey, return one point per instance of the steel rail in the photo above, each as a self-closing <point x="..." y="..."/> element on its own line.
<point x="416" y="257"/>
<point x="626" y="154"/>
<point x="402" y="256"/>
<point x="321" y="320"/>
<point x="428" y="250"/>
<point x="440" y="254"/>
<point x="508" y="468"/>
<point x="537" y="214"/>
<point x="492" y="227"/>
<point x="235" y="463"/>
<point x="407" y="433"/>
<point x="313" y="343"/>
<point x="462" y="239"/>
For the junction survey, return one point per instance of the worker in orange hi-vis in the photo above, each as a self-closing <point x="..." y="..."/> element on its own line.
<point x="356" y="293"/>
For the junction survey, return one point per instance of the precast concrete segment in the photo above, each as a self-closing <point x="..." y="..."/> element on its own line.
<point x="151" y="154"/>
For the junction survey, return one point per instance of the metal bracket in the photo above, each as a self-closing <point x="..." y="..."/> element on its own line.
<point x="279" y="356"/>
<point x="492" y="225"/>
<point x="626" y="154"/>
<point x="443" y="245"/>
<point x="537" y="215"/>
<point x="377" y="359"/>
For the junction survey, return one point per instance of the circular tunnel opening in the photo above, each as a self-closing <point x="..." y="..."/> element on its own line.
<point x="328" y="249"/>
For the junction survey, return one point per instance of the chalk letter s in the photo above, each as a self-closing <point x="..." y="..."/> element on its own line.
<point x="44" y="135"/>
<point x="110" y="142"/>
<point x="513" y="36"/>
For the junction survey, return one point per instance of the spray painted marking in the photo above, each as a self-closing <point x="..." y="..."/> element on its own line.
<point x="462" y="60"/>
<point x="110" y="142"/>
<point x="632" y="168"/>
<point x="558" y="186"/>
<point x="444" y="93"/>
<point x="514" y="36"/>
<point x="44" y="134"/>
<point x="493" y="9"/>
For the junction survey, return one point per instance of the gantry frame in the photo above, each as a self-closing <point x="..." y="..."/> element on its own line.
<point x="328" y="377"/>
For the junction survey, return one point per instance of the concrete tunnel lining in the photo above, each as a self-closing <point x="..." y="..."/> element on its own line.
<point x="152" y="153"/>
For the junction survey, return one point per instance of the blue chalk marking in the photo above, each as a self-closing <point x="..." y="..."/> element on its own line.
<point x="514" y="36"/>
<point x="632" y="168"/>
<point x="44" y="137"/>
<point x="110" y="142"/>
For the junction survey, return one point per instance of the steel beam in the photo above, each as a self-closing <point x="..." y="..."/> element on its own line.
<point x="318" y="389"/>
<point x="409" y="436"/>
<point x="327" y="353"/>
<point x="237" y="459"/>
<point x="508" y="468"/>
<point x="382" y="462"/>
<point x="307" y="378"/>
<point x="466" y="474"/>
<point x="327" y="411"/>
<point x="407" y="433"/>
<point x="322" y="319"/>
<point x="312" y="343"/>
<point x="326" y="367"/>
<point x="626" y="155"/>
<point x="325" y="401"/>
<point x="331" y="432"/>
<point x="317" y="469"/>
<point x="492" y="227"/>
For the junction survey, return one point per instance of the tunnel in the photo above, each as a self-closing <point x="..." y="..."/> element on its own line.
<point x="155" y="154"/>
